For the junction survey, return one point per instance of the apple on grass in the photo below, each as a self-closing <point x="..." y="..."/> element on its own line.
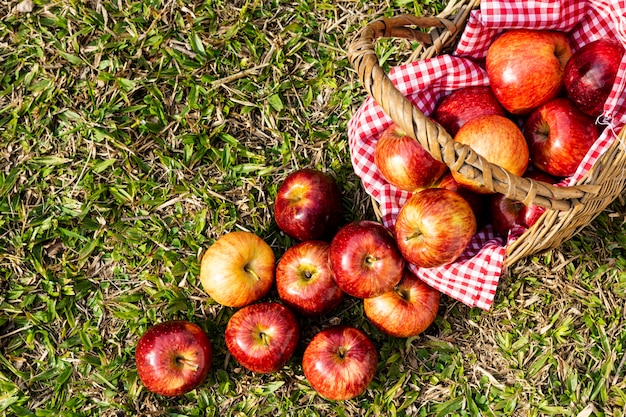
<point x="173" y="357"/>
<point x="559" y="136"/>
<point x="404" y="162"/>
<point x="499" y="141"/>
<point x="238" y="269"/>
<point x="434" y="227"/>
<point x="262" y="337"/>
<point x="526" y="68"/>
<point x="407" y="310"/>
<point x="340" y="362"/>
<point x="305" y="280"/>
<point x="590" y="74"/>
<point x="465" y="104"/>
<point x="365" y="259"/>
<point x="308" y="205"/>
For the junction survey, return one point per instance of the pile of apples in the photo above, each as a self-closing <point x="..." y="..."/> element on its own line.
<point x="536" y="118"/>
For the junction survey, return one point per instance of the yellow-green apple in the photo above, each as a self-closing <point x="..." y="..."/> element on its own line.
<point x="590" y="74"/>
<point x="305" y="280"/>
<point x="403" y="162"/>
<point x="559" y="136"/>
<point x="365" y="259"/>
<point x="407" y="310"/>
<point x="340" y="362"/>
<point x="465" y="104"/>
<point x="173" y="357"/>
<point x="499" y="141"/>
<point x="525" y="67"/>
<point x="262" y="337"/>
<point x="238" y="269"/>
<point x="434" y="227"/>
<point x="308" y="205"/>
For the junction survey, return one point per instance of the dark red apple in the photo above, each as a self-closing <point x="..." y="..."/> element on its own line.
<point x="173" y="357"/>
<point x="499" y="141"/>
<point x="434" y="227"/>
<point x="262" y="337"/>
<point x="340" y="362"/>
<point x="305" y="280"/>
<point x="525" y="68"/>
<point x="407" y="310"/>
<point x="559" y="136"/>
<point x="238" y="269"/>
<point x="403" y="162"/>
<point x="465" y="104"/>
<point x="308" y="205"/>
<point x="365" y="259"/>
<point x="590" y="74"/>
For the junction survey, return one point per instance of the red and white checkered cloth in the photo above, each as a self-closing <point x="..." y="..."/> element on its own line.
<point x="473" y="278"/>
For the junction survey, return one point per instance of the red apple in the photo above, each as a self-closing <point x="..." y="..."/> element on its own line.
<point x="465" y="104"/>
<point x="308" y="205"/>
<point x="525" y="68"/>
<point x="559" y="136"/>
<point x="365" y="259"/>
<point x="173" y="357"/>
<point x="305" y="281"/>
<point x="238" y="269"/>
<point x="477" y="201"/>
<point x="499" y="141"/>
<point x="404" y="163"/>
<point x="590" y="74"/>
<point x="340" y="362"/>
<point x="434" y="227"/>
<point x="407" y="310"/>
<point x="262" y="337"/>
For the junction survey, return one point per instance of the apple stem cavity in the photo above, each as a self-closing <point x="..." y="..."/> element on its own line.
<point x="181" y="361"/>
<point x="341" y="352"/>
<point x="250" y="271"/>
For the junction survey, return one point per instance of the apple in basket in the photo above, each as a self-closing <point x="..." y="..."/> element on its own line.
<point x="407" y="310"/>
<point x="173" y="357"/>
<point x="308" y="205"/>
<point x="434" y="227"/>
<point x="262" y="337"/>
<point x="559" y="136"/>
<point x="340" y="362"/>
<point x="238" y="269"/>
<point x="305" y="280"/>
<point x="365" y="259"/>
<point x="499" y="141"/>
<point x="463" y="105"/>
<point x="477" y="201"/>
<point x="526" y="67"/>
<point x="403" y="162"/>
<point x="590" y="74"/>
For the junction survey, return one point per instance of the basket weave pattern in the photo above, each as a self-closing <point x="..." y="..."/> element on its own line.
<point x="570" y="206"/>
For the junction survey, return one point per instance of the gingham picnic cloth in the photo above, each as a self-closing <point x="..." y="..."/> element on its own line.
<point x="473" y="278"/>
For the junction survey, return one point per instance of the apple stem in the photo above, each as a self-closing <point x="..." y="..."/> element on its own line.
<point x="341" y="352"/>
<point x="251" y="272"/>
<point x="187" y="362"/>
<point x="403" y="293"/>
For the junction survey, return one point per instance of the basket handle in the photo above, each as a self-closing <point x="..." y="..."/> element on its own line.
<point x="458" y="157"/>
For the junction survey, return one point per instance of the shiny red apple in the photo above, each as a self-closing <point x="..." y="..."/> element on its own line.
<point x="403" y="162"/>
<point x="262" y="337"/>
<point x="238" y="269"/>
<point x="340" y="362"/>
<point x="590" y="74"/>
<point x="499" y="141"/>
<point x="525" y="67"/>
<point x="407" y="310"/>
<point x="465" y="104"/>
<point x="477" y="201"/>
<point x="173" y="357"/>
<point x="434" y="227"/>
<point x="559" y="136"/>
<point x="305" y="280"/>
<point x="365" y="259"/>
<point x="308" y="205"/>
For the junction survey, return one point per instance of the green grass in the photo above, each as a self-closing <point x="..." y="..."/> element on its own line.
<point x="136" y="133"/>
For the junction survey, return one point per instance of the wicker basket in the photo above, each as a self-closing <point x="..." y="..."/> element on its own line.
<point x="569" y="209"/>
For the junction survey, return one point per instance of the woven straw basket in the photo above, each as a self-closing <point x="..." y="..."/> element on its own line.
<point x="569" y="208"/>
